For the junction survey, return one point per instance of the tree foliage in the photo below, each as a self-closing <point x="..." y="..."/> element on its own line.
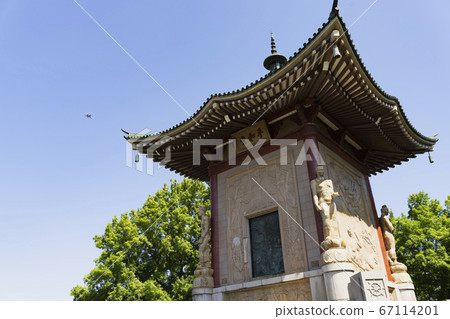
<point x="423" y="245"/>
<point x="151" y="253"/>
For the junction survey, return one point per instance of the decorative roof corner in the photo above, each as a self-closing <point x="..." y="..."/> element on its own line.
<point x="334" y="10"/>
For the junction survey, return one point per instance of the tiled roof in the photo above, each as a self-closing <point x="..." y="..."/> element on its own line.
<point x="368" y="102"/>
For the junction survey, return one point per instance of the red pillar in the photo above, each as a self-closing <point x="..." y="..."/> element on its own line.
<point x="380" y="234"/>
<point x="215" y="229"/>
<point x="311" y="130"/>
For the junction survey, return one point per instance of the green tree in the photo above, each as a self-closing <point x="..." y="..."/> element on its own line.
<point x="423" y="245"/>
<point x="151" y="253"/>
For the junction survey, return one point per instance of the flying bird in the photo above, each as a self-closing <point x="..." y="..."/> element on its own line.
<point x="89" y="116"/>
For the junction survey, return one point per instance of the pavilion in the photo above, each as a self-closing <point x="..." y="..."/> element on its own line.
<point x="323" y="109"/>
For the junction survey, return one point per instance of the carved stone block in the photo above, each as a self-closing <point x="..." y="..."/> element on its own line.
<point x="370" y="286"/>
<point x="295" y="291"/>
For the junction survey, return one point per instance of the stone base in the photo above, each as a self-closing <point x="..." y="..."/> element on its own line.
<point x="369" y="286"/>
<point x="332" y="243"/>
<point x="203" y="277"/>
<point x="334" y="255"/>
<point x="399" y="274"/>
<point x="407" y="292"/>
<point x="337" y="277"/>
<point x="402" y="278"/>
<point x="202" y="294"/>
<point x="403" y="281"/>
<point x="203" y="284"/>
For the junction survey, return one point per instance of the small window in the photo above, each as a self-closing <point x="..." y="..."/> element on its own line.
<point x="265" y="241"/>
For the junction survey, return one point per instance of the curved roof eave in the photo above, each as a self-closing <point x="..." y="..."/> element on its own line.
<point x="322" y="33"/>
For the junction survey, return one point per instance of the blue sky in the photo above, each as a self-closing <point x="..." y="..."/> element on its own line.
<point x="63" y="176"/>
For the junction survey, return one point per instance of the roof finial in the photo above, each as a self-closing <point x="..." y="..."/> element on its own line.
<point x="334" y="9"/>
<point x="272" y="42"/>
<point x="274" y="61"/>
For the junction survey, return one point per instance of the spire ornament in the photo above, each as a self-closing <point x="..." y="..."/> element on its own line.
<point x="272" y="43"/>
<point x="274" y="61"/>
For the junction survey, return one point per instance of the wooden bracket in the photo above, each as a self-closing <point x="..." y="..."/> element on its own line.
<point x="339" y="135"/>
<point x="362" y="154"/>
<point x="308" y="110"/>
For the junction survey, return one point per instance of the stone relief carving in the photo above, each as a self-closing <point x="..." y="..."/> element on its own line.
<point x="352" y="195"/>
<point x="372" y="284"/>
<point x="293" y="252"/>
<point x="351" y="191"/>
<point x="376" y="289"/>
<point x="299" y="291"/>
<point x="237" y="256"/>
<point x="362" y="250"/>
<point x="354" y="213"/>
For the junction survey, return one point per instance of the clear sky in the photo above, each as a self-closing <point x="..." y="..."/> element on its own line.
<point x="63" y="176"/>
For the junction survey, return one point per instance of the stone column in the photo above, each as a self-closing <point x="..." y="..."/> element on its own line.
<point x="337" y="273"/>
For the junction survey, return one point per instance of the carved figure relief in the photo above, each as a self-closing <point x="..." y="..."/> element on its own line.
<point x="350" y="189"/>
<point x="237" y="256"/>
<point x="356" y="220"/>
<point x="362" y="250"/>
<point x="293" y="252"/>
<point x="352" y="195"/>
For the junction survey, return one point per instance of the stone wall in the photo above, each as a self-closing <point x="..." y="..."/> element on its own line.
<point x="355" y="215"/>
<point x="248" y="191"/>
